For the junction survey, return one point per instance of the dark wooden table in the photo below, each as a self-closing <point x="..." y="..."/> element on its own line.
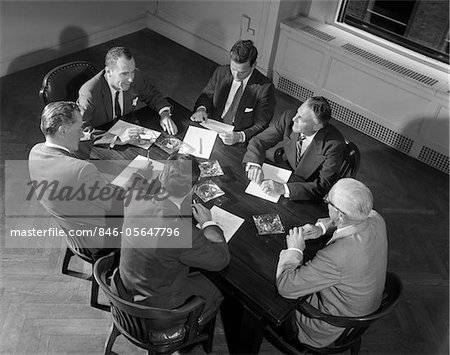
<point x="248" y="282"/>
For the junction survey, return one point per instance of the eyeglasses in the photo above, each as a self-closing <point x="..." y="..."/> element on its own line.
<point x="327" y="201"/>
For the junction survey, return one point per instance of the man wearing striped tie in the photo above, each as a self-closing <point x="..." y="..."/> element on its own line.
<point x="238" y="94"/>
<point x="314" y="149"/>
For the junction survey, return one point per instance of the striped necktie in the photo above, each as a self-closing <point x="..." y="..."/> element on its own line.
<point x="231" y="113"/>
<point x="298" y="145"/>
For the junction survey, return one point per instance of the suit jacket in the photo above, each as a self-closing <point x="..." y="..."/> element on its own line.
<point x="257" y="103"/>
<point x="319" y="166"/>
<point x="96" y="101"/>
<point x="346" y="278"/>
<point x="154" y="270"/>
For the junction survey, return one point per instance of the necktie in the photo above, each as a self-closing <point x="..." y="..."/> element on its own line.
<point x="298" y="145"/>
<point x="117" y="108"/>
<point x="231" y="113"/>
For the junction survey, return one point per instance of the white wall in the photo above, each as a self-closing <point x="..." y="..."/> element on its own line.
<point x="32" y="32"/>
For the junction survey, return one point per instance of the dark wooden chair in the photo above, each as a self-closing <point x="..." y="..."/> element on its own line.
<point x="76" y="246"/>
<point x="354" y="326"/>
<point x="63" y="82"/>
<point x="159" y="331"/>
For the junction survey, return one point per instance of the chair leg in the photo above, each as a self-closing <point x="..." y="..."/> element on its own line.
<point x="356" y="346"/>
<point x="209" y="328"/>
<point x="113" y="334"/>
<point x="66" y="260"/>
<point x="94" y="297"/>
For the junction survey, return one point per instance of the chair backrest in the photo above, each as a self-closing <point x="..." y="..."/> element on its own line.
<point x="156" y="329"/>
<point x="356" y="326"/>
<point x="351" y="161"/>
<point x="63" y="82"/>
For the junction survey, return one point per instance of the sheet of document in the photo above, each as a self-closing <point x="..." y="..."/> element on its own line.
<point x="217" y="126"/>
<point x="229" y="222"/>
<point x="200" y="140"/>
<point x="121" y="126"/>
<point x="270" y="173"/>
<point x="140" y="162"/>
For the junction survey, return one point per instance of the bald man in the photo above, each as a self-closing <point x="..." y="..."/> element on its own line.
<point x="346" y="277"/>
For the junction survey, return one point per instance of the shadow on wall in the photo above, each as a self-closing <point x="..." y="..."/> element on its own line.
<point x="71" y="39"/>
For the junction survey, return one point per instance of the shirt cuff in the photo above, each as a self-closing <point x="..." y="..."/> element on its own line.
<point x="287" y="193"/>
<point x="242" y="138"/>
<point x="209" y="223"/>
<point x="198" y="108"/>
<point x="301" y="252"/>
<point x="249" y="164"/>
<point x="322" y="226"/>
<point x="165" y="108"/>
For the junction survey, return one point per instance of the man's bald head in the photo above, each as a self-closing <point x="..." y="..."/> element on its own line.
<point x="353" y="198"/>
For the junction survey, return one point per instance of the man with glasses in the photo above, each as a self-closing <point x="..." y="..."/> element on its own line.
<point x="119" y="89"/>
<point x="313" y="147"/>
<point x="347" y="276"/>
<point x="238" y="94"/>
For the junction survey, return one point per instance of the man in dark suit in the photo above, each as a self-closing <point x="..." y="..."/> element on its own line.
<point x="117" y="90"/>
<point x="71" y="189"/>
<point x="155" y="269"/>
<point x="238" y="94"/>
<point x="314" y="149"/>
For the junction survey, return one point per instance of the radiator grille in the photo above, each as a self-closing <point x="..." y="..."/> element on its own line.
<point x="371" y="128"/>
<point x="294" y="89"/>
<point x="421" y="78"/>
<point x="318" y="34"/>
<point x="434" y="159"/>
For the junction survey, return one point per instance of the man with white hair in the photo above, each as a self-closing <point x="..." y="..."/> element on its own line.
<point x="347" y="276"/>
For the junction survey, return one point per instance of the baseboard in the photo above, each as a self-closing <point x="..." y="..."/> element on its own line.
<point x="103" y="35"/>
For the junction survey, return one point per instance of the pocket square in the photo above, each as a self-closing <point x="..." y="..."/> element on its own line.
<point x="248" y="109"/>
<point x="135" y="102"/>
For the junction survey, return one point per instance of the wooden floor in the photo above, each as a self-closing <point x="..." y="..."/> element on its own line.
<point x="45" y="312"/>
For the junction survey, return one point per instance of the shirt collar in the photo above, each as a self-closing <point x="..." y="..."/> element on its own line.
<point x="57" y="146"/>
<point x="245" y="81"/>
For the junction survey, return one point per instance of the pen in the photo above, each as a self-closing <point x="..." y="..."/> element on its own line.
<point x="113" y="143"/>
<point x="200" y="148"/>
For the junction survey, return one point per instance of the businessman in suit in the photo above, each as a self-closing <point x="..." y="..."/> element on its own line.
<point x="117" y="90"/>
<point x="347" y="276"/>
<point x="238" y="94"/>
<point x="314" y="149"/>
<point x="71" y="189"/>
<point x="155" y="270"/>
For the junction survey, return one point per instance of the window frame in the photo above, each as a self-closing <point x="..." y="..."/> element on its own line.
<point x="384" y="35"/>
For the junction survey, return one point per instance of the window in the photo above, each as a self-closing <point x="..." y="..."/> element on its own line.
<point x="419" y="25"/>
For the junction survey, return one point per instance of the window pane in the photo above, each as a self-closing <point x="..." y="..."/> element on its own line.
<point x="421" y="25"/>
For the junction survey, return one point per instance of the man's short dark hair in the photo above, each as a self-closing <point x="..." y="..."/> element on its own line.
<point x="243" y="52"/>
<point x="56" y="114"/>
<point x="180" y="173"/>
<point x="321" y="108"/>
<point x="114" y="54"/>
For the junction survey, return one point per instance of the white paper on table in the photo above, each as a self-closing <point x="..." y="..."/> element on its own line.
<point x="228" y="222"/>
<point x="270" y="173"/>
<point x="200" y="140"/>
<point x="121" y="126"/>
<point x="217" y="126"/>
<point x="140" y="162"/>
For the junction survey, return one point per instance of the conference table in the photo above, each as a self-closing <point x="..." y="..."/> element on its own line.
<point x="248" y="283"/>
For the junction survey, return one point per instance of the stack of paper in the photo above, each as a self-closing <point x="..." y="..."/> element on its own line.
<point x="200" y="140"/>
<point x="270" y="173"/>
<point x="135" y="165"/>
<point x="217" y="126"/>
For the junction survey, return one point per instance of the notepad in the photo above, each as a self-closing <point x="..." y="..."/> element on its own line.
<point x="200" y="140"/>
<point x="228" y="222"/>
<point x="217" y="126"/>
<point x="270" y="173"/>
<point x="140" y="162"/>
<point x="148" y="137"/>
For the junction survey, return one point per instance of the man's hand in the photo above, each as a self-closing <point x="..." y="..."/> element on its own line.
<point x="295" y="238"/>
<point x="310" y="231"/>
<point x="201" y="213"/>
<point x="272" y="187"/>
<point x="167" y="123"/>
<point x="255" y="173"/>
<point x="130" y="135"/>
<point x="230" y="138"/>
<point x="200" y="115"/>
